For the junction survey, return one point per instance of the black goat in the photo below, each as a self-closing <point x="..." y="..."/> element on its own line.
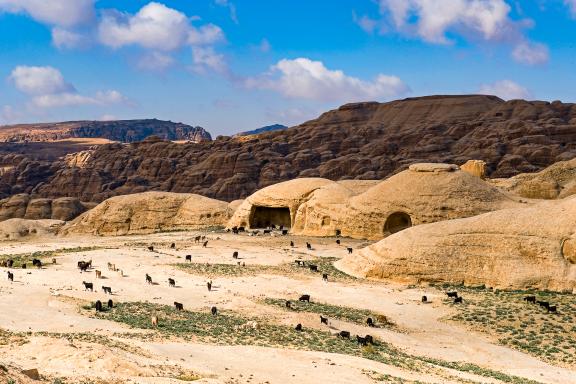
<point x="458" y="300"/>
<point x="424" y="299"/>
<point x="369" y="339"/>
<point x="37" y="263"/>
<point x="205" y="244"/>
<point x="235" y="255"/>
<point x="173" y="245"/>
<point x="98" y="306"/>
<point x="452" y="294"/>
<point x="349" y="250"/>
<point x="298" y="327"/>
<point x="189" y="258"/>
<point x="178" y="306"/>
<point x="361" y="341"/>
<point x="323" y="320"/>
<point x="88" y="286"/>
<point x="209" y="286"/>
<point x="304" y="298"/>
<point x="308" y="245"/>
<point x="325" y="276"/>
<point x="370" y="322"/>
<point x="288" y="304"/>
<point x="148" y="279"/>
<point x="544" y="304"/>
<point x="151" y="248"/>
<point x="284" y="232"/>
<point x="344" y="334"/>
<point x="291" y="243"/>
<point x="552" y="309"/>
<point x="107" y="290"/>
<point x="313" y="268"/>
<point x="530" y="299"/>
<point x="214" y="311"/>
<point x="338" y="241"/>
<point x="11" y="276"/>
<point x="110" y="304"/>
<point x="171" y="282"/>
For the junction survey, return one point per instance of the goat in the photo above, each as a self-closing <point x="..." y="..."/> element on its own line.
<point x="235" y="255"/>
<point x="171" y="282"/>
<point x="23" y="265"/>
<point x="323" y="320"/>
<point x="154" y="320"/>
<point x="107" y="290"/>
<point x="214" y="311"/>
<point x="530" y="299"/>
<point x="299" y="262"/>
<point x="173" y="245"/>
<point x="452" y="294"/>
<point x="11" y="276"/>
<point x="209" y="285"/>
<point x="9" y="263"/>
<point x="189" y="258"/>
<point x="325" y="277"/>
<point x="298" y="327"/>
<point x="457" y="300"/>
<point x="344" y="334"/>
<point x="53" y="260"/>
<point x="88" y="286"/>
<point x="203" y="237"/>
<point x="370" y="322"/>
<point x="98" y="306"/>
<point x="284" y="232"/>
<point x="110" y="304"/>
<point x="349" y="250"/>
<point x="304" y="298"/>
<point x="37" y="263"/>
<point x="361" y="341"/>
<point x="98" y="274"/>
<point x="338" y="241"/>
<point x="308" y="245"/>
<point x="544" y="304"/>
<point x="552" y="308"/>
<point x="110" y="266"/>
<point x="197" y="239"/>
<point x="241" y="229"/>
<point x="288" y="304"/>
<point x="178" y="306"/>
<point x="148" y="279"/>
<point x="266" y="231"/>
<point x="313" y="268"/>
<point x="151" y="248"/>
<point x="424" y="299"/>
<point x="292" y="244"/>
<point x="205" y="244"/>
<point x="369" y="339"/>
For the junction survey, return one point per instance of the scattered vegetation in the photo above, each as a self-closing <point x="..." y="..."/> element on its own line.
<point x="325" y="265"/>
<point x="521" y="325"/>
<point x="44" y="256"/>
<point x="228" y="329"/>
<point x="348" y="314"/>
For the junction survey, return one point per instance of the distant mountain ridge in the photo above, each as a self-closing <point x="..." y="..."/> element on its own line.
<point x="126" y="131"/>
<point x="267" y="128"/>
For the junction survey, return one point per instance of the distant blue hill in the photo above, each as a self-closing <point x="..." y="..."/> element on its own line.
<point x="268" y="128"/>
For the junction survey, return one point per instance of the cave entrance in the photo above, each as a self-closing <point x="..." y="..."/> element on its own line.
<point x="263" y="217"/>
<point x="397" y="222"/>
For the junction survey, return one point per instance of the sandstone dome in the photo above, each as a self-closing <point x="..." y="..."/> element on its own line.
<point x="422" y="194"/>
<point x="16" y="229"/>
<point x="518" y="248"/>
<point x="150" y="212"/>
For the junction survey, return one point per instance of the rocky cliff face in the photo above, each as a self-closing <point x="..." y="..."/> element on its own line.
<point x="121" y="130"/>
<point x="356" y="141"/>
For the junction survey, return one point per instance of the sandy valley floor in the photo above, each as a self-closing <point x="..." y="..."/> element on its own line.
<point x="46" y="321"/>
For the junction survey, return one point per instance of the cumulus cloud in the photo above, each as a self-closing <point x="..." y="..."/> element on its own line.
<point x="156" y="27"/>
<point x="531" y="53"/>
<point x="39" y="80"/>
<point x="433" y="19"/>
<point x="66" y="39"/>
<point x="64" y="13"/>
<point x="48" y="89"/>
<point x="306" y="79"/>
<point x="505" y="89"/>
<point x="206" y="59"/>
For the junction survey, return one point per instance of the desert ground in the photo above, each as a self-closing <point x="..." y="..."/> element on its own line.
<point x="48" y="321"/>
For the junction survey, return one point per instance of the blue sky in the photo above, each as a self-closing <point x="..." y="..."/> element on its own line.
<point x="233" y="65"/>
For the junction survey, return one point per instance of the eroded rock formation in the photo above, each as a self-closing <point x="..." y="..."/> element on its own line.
<point x="22" y="206"/>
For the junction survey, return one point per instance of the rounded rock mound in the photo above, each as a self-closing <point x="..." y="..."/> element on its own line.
<point x="519" y="248"/>
<point x="150" y="212"/>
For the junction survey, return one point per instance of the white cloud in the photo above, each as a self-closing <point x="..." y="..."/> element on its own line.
<point x="156" y="27"/>
<point x="505" y="89"/>
<point x="39" y="80"/>
<point x="65" y="13"/>
<point x="65" y="39"/>
<point x="155" y="61"/>
<point x="48" y="89"/>
<point x="433" y="19"/>
<point x="230" y="6"/>
<point x="307" y="79"/>
<point x="206" y="60"/>
<point x="531" y="53"/>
